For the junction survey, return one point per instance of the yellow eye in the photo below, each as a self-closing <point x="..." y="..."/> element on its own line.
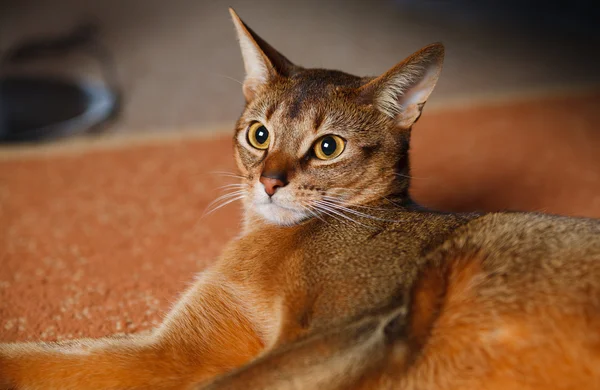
<point x="329" y="147"/>
<point x="258" y="136"/>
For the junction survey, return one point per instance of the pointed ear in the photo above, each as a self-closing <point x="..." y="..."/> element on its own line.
<point x="262" y="62"/>
<point x="402" y="91"/>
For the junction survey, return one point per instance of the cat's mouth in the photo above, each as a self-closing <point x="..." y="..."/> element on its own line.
<point x="279" y="214"/>
<point x="278" y="209"/>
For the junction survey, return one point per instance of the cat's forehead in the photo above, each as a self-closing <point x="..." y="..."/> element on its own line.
<point x="312" y="88"/>
<point x="322" y="81"/>
<point x="310" y="97"/>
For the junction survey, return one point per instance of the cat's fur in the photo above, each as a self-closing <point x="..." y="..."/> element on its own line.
<point x="380" y="295"/>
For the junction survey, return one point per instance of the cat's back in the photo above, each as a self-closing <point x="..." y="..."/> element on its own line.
<point x="531" y="241"/>
<point x="535" y="254"/>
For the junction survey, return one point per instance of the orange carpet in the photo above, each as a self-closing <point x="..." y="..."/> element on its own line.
<point x="98" y="241"/>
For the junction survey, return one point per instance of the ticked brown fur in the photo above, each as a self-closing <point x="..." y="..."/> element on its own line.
<point x="339" y="281"/>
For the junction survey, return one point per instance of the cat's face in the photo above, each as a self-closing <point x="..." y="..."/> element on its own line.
<point x="305" y="148"/>
<point x="314" y="142"/>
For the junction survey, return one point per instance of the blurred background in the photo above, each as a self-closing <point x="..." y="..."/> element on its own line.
<point x="178" y="64"/>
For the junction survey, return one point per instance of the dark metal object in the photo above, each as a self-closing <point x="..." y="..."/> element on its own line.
<point x="34" y="108"/>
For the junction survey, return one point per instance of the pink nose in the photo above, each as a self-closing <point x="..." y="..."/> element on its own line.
<point x="271" y="184"/>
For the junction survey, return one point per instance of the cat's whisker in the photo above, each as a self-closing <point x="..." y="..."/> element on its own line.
<point x="222" y="203"/>
<point x="366" y="191"/>
<point x="344" y="216"/>
<point x="316" y="206"/>
<point x="223" y="200"/>
<point x="346" y="203"/>
<point x="311" y="212"/>
<point x="208" y="73"/>
<point x="314" y="210"/>
<point x="227" y="174"/>
<point x="332" y="215"/>
<point x="220" y="174"/>
<point x="411" y="177"/>
<point x="360" y="214"/>
<point x="229" y="78"/>
<point x="229" y="194"/>
<point x="362" y="190"/>
<point x="335" y="210"/>
<point x="231" y="177"/>
<point x="342" y="207"/>
<point x="239" y="197"/>
<point x="234" y="185"/>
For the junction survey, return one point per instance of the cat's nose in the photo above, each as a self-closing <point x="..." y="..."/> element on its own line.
<point x="273" y="182"/>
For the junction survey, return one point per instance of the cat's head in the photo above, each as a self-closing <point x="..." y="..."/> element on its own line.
<point x="312" y="141"/>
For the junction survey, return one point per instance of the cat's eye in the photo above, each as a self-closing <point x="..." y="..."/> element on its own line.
<point x="258" y="136"/>
<point x="329" y="147"/>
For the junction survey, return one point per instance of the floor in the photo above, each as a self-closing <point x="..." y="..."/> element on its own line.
<point x="180" y="66"/>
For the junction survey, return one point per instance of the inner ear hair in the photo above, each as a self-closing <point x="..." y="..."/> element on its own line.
<point x="261" y="61"/>
<point x="402" y="91"/>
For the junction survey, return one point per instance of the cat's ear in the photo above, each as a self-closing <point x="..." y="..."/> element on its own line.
<point x="402" y="91"/>
<point x="262" y="62"/>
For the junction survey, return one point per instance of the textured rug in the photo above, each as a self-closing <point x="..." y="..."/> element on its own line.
<point x="100" y="237"/>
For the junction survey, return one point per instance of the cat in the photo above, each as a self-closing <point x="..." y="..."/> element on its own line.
<point x="338" y="279"/>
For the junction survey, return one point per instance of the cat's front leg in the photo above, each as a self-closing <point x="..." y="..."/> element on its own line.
<point x="209" y="332"/>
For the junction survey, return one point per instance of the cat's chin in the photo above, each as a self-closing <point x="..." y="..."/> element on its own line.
<point x="279" y="215"/>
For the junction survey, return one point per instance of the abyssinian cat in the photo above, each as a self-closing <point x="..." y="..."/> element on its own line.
<point x="339" y="280"/>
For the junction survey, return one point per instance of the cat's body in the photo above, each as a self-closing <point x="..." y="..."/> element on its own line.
<point x="497" y="301"/>
<point x="340" y="281"/>
<point x="328" y="270"/>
